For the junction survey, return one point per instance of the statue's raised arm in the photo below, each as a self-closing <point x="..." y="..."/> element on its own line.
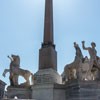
<point x="83" y="46"/>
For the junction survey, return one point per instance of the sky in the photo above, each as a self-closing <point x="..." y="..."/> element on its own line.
<point x="22" y="27"/>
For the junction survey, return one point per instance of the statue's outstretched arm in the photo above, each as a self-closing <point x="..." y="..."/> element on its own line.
<point x="83" y="46"/>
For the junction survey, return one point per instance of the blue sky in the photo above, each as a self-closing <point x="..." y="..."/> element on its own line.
<point x="22" y="23"/>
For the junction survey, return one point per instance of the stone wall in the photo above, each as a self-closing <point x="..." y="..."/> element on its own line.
<point x="48" y="92"/>
<point x="83" y="90"/>
<point x="2" y="89"/>
<point x="19" y="99"/>
<point x="21" y="93"/>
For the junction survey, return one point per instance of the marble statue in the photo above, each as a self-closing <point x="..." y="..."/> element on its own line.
<point x="15" y="62"/>
<point x="16" y="71"/>
<point x="92" y="52"/>
<point x="83" y="68"/>
<point x="94" y="59"/>
<point x="71" y="70"/>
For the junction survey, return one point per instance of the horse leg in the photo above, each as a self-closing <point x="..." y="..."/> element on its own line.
<point x="16" y="80"/>
<point x="26" y="77"/>
<point x="32" y="79"/>
<point x="5" y="71"/>
<point x="11" y="79"/>
<point x="88" y="73"/>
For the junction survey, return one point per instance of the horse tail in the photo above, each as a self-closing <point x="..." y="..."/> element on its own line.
<point x="32" y="78"/>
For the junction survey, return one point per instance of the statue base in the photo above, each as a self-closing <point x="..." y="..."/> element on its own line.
<point x="47" y="85"/>
<point x="83" y="90"/>
<point x="2" y="89"/>
<point x="21" y="93"/>
<point x="48" y="92"/>
<point x="18" y="99"/>
<point x="46" y="76"/>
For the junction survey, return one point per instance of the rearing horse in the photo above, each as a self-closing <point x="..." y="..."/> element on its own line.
<point x="16" y="71"/>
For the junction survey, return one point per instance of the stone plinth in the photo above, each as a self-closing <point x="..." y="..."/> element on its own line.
<point x="82" y="90"/>
<point x="21" y="93"/>
<point x="47" y="76"/>
<point x="19" y="99"/>
<point x="46" y="87"/>
<point x="2" y="89"/>
<point x="48" y="92"/>
<point x="47" y="57"/>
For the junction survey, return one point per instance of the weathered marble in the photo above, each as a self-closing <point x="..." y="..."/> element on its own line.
<point x="82" y="90"/>
<point x="2" y="88"/>
<point x="15" y="71"/>
<point x="19" y="99"/>
<point x="21" y="93"/>
<point x="47" y="76"/>
<point x="48" y="92"/>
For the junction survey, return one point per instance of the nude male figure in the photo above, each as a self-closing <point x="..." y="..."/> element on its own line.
<point x="92" y="52"/>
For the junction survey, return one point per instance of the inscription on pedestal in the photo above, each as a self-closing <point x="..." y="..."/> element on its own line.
<point x="44" y="79"/>
<point x="47" y="76"/>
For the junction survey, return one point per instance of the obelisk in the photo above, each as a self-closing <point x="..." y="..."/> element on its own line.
<point x="48" y="22"/>
<point x="47" y="76"/>
<point x="47" y="53"/>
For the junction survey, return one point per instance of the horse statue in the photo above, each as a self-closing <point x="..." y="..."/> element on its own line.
<point x="16" y="71"/>
<point x="82" y="68"/>
<point x="87" y="73"/>
<point x="71" y="71"/>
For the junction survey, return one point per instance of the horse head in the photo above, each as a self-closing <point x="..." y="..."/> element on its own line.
<point x="16" y="59"/>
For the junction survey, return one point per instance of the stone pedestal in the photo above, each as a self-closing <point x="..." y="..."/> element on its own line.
<point x="46" y="85"/>
<point x="47" y="76"/>
<point x="19" y="99"/>
<point x="21" y="93"/>
<point x="82" y="90"/>
<point x="48" y="92"/>
<point x="47" y="57"/>
<point x="2" y="89"/>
